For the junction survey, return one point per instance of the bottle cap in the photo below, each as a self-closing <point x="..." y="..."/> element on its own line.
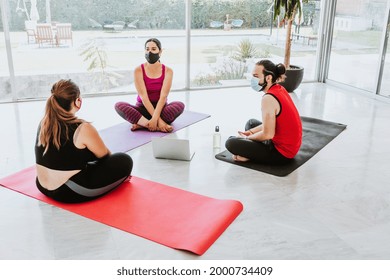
<point x="217" y="128"/>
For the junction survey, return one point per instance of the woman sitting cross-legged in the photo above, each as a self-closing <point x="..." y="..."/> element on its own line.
<point x="153" y="82"/>
<point x="72" y="162"/>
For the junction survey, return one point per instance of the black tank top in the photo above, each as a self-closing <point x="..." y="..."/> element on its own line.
<point x="68" y="157"/>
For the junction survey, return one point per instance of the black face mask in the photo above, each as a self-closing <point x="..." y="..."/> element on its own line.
<point x="152" y="58"/>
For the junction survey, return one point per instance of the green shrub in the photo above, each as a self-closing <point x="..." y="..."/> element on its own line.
<point x="245" y="50"/>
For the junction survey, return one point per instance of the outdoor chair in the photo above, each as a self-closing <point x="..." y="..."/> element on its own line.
<point x="30" y="27"/>
<point x="94" y="24"/>
<point x="216" y="24"/>
<point x="44" y="33"/>
<point x="31" y="34"/>
<point x="237" y="22"/>
<point x="132" y="24"/>
<point x="114" y="26"/>
<point x="64" y="33"/>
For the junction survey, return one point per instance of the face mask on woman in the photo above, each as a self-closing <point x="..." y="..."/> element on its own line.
<point x="152" y="58"/>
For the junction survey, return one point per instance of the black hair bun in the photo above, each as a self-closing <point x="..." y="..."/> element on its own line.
<point x="280" y="69"/>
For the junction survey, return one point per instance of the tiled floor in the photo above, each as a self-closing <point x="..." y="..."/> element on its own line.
<point x="335" y="206"/>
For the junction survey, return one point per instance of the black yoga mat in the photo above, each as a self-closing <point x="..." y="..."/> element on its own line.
<point x="316" y="135"/>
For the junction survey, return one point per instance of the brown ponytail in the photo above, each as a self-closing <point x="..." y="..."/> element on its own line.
<point x="58" y="113"/>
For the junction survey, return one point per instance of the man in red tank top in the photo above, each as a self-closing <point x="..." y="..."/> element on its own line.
<point x="277" y="139"/>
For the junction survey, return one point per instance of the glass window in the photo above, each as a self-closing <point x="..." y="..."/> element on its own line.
<point x="95" y="43"/>
<point x="98" y="43"/>
<point x="5" y="87"/>
<point x="356" y="42"/>
<point x="228" y="37"/>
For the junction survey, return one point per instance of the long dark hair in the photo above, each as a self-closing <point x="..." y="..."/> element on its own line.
<point x="58" y="113"/>
<point x="156" y="41"/>
<point x="276" y="71"/>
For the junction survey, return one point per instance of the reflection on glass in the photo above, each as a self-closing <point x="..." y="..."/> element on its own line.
<point x="357" y="42"/>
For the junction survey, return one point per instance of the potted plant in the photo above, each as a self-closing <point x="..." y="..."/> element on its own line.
<point x="294" y="73"/>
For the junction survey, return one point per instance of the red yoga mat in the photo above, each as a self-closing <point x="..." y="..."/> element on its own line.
<point x="170" y="216"/>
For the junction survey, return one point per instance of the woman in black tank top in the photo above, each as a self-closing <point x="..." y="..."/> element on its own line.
<point x="73" y="163"/>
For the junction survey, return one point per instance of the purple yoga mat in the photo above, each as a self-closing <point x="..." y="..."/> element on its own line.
<point x="119" y="138"/>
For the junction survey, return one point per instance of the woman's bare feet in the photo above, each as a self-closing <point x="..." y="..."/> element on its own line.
<point x="164" y="127"/>
<point x="240" y="158"/>
<point x="135" y="127"/>
<point x="168" y="128"/>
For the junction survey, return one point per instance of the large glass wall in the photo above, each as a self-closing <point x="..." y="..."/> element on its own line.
<point x="107" y="41"/>
<point x="357" y="42"/>
<point x="100" y="42"/>
<point x="228" y="37"/>
<point x="5" y="88"/>
<point x="3" y="54"/>
<point x="97" y="43"/>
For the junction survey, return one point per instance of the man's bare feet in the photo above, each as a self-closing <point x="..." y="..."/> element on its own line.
<point x="240" y="158"/>
<point x="135" y="127"/>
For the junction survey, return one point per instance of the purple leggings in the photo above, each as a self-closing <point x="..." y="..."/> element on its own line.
<point x="133" y="113"/>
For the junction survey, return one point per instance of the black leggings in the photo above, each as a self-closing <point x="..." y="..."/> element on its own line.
<point x="97" y="179"/>
<point x="261" y="152"/>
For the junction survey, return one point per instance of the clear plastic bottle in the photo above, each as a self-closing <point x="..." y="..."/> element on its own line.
<point x="217" y="138"/>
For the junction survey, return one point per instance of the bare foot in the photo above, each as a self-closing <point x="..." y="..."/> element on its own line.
<point x="168" y="128"/>
<point x="165" y="128"/>
<point x="135" y="127"/>
<point x="240" y="158"/>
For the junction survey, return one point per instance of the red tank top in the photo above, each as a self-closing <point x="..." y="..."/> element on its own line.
<point x="288" y="132"/>
<point x="153" y="85"/>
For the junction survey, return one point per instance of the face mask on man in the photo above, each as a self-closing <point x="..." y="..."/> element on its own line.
<point x="256" y="86"/>
<point x="152" y="58"/>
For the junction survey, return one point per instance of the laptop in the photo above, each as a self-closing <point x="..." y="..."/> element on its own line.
<point x="172" y="148"/>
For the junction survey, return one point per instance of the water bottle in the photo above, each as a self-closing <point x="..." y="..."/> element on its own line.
<point x="217" y="138"/>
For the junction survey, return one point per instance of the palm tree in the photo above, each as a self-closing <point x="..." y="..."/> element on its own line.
<point x="290" y="7"/>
